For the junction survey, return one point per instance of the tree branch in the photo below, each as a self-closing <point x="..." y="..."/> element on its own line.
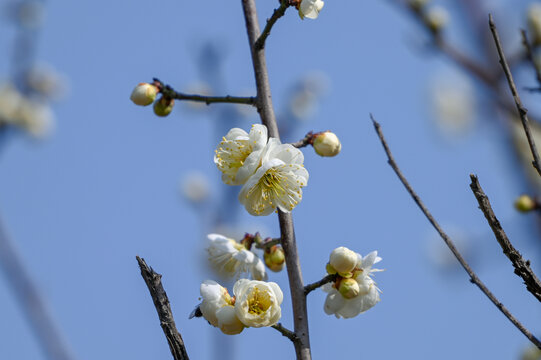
<point x="161" y="302"/>
<point x="169" y="92"/>
<point x="285" y="332"/>
<point x="473" y="277"/>
<point x="522" y="267"/>
<point x="529" y="54"/>
<point x="31" y="302"/>
<point x="522" y="111"/>
<point x="278" y="13"/>
<point x="307" y="140"/>
<point x="311" y="287"/>
<point x="266" y="112"/>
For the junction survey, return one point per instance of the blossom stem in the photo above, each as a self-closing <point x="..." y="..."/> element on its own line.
<point x="268" y="118"/>
<point x="278" y="13"/>
<point x="269" y="243"/>
<point x="311" y="287"/>
<point x="307" y="140"/>
<point x="163" y="307"/>
<point x="285" y="332"/>
<point x="169" y="92"/>
<point x="473" y="277"/>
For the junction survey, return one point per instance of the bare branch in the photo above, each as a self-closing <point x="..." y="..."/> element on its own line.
<point x="308" y="140"/>
<point x="161" y="302"/>
<point x="529" y="54"/>
<point x="268" y="118"/>
<point x="473" y="277"/>
<point x="169" y="92"/>
<point x="285" y="332"/>
<point x="311" y="287"/>
<point x="278" y="13"/>
<point x="522" y="267"/>
<point x="31" y="301"/>
<point x="522" y="111"/>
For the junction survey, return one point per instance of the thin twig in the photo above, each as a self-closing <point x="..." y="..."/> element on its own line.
<point x="311" y="287"/>
<point x="287" y="232"/>
<point x="307" y="140"/>
<point x="31" y="301"/>
<point x="529" y="54"/>
<point x="278" y="13"/>
<point x="169" y="92"/>
<point x="285" y="332"/>
<point x="268" y="244"/>
<point x="161" y="303"/>
<point x="473" y="277"/>
<point x="522" y="111"/>
<point x="522" y="267"/>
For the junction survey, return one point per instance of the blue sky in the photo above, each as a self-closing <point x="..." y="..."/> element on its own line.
<point x="105" y="186"/>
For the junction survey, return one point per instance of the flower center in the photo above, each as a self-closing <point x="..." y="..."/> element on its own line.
<point x="258" y="302"/>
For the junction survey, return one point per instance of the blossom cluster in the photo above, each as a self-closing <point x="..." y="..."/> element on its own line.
<point x="254" y="304"/>
<point x="354" y="291"/>
<point x="271" y="173"/>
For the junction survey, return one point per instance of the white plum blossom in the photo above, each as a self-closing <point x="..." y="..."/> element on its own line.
<point x="218" y="308"/>
<point x="349" y="301"/>
<point x="277" y="182"/>
<point x="258" y="303"/>
<point x="232" y="259"/>
<point x="239" y="154"/>
<point x="310" y="8"/>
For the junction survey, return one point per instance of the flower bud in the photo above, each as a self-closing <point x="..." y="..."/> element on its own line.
<point x="275" y="258"/>
<point x="349" y="288"/>
<point x="343" y="260"/>
<point x="144" y="94"/>
<point x="164" y="106"/>
<point x="330" y="269"/>
<point x="534" y="23"/>
<point x="524" y="203"/>
<point x="327" y="144"/>
<point x="310" y="8"/>
<point x="436" y="18"/>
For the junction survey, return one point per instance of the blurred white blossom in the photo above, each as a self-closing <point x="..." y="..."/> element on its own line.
<point x="195" y="187"/>
<point x="232" y="259"/>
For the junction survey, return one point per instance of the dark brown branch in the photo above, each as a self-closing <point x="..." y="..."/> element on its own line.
<point x="285" y="332"/>
<point x="169" y="92"/>
<point x="522" y="111"/>
<point x="31" y="302"/>
<point x="278" y="13"/>
<point x="522" y="267"/>
<point x="307" y="140"/>
<point x="529" y="54"/>
<point x="473" y="277"/>
<point x="311" y="287"/>
<point x="268" y="118"/>
<point x="161" y="303"/>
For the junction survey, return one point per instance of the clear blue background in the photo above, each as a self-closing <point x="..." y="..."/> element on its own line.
<point x="105" y="186"/>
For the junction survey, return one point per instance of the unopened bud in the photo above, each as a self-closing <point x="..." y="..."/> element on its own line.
<point x="436" y="18"/>
<point x="275" y="258"/>
<point x="330" y="269"/>
<point x="164" y="106"/>
<point x="524" y="203"/>
<point x="144" y="94"/>
<point x="327" y="144"/>
<point x="534" y="23"/>
<point x="343" y="260"/>
<point x="349" y="288"/>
